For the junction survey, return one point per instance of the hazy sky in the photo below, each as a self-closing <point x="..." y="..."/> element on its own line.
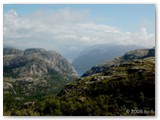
<point x="67" y="28"/>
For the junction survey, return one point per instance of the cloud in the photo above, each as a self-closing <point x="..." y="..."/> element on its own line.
<point x="66" y="29"/>
<point x="144" y="31"/>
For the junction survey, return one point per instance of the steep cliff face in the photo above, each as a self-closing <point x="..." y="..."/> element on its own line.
<point x="34" y="73"/>
<point x="37" y="62"/>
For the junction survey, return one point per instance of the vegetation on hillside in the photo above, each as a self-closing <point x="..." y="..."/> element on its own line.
<point x="124" y="89"/>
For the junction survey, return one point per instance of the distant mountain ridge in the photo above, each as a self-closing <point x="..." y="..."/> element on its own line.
<point x="135" y="54"/>
<point x="98" y="54"/>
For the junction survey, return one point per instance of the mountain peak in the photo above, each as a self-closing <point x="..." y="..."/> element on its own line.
<point x="139" y="53"/>
<point x="33" y="50"/>
<point x="36" y="72"/>
<point x="12" y="51"/>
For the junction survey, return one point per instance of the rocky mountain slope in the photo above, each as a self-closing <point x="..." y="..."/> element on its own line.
<point x="125" y="87"/>
<point x="98" y="54"/>
<point x="121" y="89"/>
<point x="33" y="74"/>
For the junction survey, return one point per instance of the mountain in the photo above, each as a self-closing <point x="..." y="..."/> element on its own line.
<point x="135" y="54"/>
<point x="33" y="74"/>
<point x="127" y="84"/>
<point x="126" y="87"/>
<point x="98" y="54"/>
<point x="119" y="90"/>
<point x="12" y="51"/>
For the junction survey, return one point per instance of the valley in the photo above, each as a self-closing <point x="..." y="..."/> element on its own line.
<point x="39" y="83"/>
